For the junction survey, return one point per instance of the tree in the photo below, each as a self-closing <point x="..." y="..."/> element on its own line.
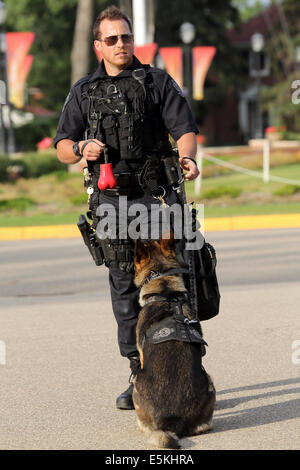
<point x="53" y="23"/>
<point x="281" y="46"/>
<point x="80" y="54"/>
<point x="250" y="8"/>
<point x="212" y="20"/>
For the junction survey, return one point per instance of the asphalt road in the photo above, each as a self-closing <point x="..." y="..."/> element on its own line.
<point x="60" y="368"/>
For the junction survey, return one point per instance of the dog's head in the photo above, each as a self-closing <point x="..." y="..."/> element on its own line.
<point x="152" y="255"/>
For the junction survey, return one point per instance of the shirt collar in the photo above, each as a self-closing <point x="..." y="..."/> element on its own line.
<point x="100" y="71"/>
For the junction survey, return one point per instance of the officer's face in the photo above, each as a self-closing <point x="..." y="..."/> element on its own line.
<point x="119" y="55"/>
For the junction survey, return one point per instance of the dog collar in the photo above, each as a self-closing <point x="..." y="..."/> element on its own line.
<point x="156" y="275"/>
<point x="155" y="298"/>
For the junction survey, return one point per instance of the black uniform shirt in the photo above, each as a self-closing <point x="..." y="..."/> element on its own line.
<point x="175" y="111"/>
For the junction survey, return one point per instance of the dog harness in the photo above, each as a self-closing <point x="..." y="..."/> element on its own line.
<point x="176" y="326"/>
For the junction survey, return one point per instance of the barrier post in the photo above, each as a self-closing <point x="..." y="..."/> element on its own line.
<point x="266" y="161"/>
<point x="198" y="180"/>
<point x="199" y="159"/>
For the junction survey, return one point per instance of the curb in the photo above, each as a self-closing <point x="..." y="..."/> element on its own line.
<point x="216" y="224"/>
<point x="252" y="222"/>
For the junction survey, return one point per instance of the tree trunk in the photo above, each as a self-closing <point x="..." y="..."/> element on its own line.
<point x="82" y="41"/>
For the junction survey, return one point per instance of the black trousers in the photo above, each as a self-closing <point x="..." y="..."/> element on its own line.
<point x="124" y="293"/>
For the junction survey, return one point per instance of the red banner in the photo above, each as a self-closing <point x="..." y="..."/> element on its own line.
<point x="172" y="57"/>
<point x="202" y="58"/>
<point x="145" y="53"/>
<point x="18" y="65"/>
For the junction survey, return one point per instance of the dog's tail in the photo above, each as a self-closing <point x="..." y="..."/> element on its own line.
<point x="164" y="439"/>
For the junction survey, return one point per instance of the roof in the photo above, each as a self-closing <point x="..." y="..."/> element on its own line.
<point x="39" y="111"/>
<point x="258" y="24"/>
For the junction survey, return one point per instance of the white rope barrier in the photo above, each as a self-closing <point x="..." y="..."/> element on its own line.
<point x="246" y="171"/>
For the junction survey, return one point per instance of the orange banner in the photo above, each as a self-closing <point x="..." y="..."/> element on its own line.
<point x="202" y="58"/>
<point x="145" y="53"/>
<point x="172" y="57"/>
<point x="18" y="65"/>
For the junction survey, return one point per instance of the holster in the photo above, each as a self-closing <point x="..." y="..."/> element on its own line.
<point x="89" y="238"/>
<point x="172" y="169"/>
<point x="106" y="250"/>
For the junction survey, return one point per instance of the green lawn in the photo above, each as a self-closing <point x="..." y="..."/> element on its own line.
<point x="58" y="200"/>
<point x="252" y="209"/>
<point x="250" y="183"/>
<point x="39" y="219"/>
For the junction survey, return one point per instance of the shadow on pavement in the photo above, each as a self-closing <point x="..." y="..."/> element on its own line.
<point x="257" y="415"/>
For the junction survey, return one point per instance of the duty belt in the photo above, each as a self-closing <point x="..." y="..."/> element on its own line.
<point x="127" y="182"/>
<point x="156" y="173"/>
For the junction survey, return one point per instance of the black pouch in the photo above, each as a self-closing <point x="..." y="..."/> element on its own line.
<point x="109" y="127"/>
<point x="172" y="169"/>
<point x="131" y="137"/>
<point x="207" y="283"/>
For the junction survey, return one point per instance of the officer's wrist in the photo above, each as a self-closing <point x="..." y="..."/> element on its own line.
<point x="77" y="150"/>
<point x="189" y="158"/>
<point x="80" y="144"/>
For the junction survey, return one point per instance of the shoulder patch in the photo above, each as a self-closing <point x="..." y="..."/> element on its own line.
<point x="177" y="88"/>
<point x="67" y="100"/>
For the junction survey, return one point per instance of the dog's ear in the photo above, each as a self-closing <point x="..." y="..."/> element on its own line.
<point x="168" y="244"/>
<point x="141" y="250"/>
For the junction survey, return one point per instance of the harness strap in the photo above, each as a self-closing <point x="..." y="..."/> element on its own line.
<point x="174" y="327"/>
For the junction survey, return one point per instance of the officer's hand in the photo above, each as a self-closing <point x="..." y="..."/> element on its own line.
<point x="91" y="149"/>
<point x="190" y="166"/>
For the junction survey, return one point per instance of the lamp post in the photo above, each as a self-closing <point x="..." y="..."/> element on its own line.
<point x="8" y="131"/>
<point x="2" y="74"/>
<point x="257" y="70"/>
<point x="187" y="35"/>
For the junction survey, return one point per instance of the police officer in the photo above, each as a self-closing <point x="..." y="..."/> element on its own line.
<point x="129" y="109"/>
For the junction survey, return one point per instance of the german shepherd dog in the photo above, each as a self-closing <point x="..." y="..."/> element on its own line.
<point x="173" y="395"/>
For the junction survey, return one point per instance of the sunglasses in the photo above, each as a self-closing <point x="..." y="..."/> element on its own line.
<point x="112" y="40"/>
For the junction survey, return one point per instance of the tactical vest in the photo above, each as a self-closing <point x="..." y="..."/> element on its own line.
<point x="123" y="115"/>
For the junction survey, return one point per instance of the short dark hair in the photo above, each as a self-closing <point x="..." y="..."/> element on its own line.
<point x="111" y="13"/>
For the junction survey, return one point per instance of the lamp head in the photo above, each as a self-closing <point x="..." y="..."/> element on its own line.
<point x="257" y="42"/>
<point x="187" y="32"/>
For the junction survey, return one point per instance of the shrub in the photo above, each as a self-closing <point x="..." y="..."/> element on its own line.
<point x="29" y="134"/>
<point x="63" y="175"/>
<point x="287" y="190"/>
<point x="79" y="199"/>
<point x="220" y="191"/>
<point x="32" y="165"/>
<point x="19" y="203"/>
<point x="38" y="164"/>
<point x="4" y="162"/>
